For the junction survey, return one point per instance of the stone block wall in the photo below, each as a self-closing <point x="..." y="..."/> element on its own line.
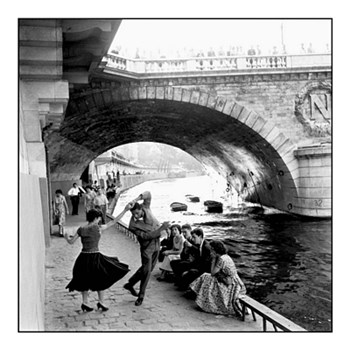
<point x="314" y="181"/>
<point x="40" y="92"/>
<point x="273" y="97"/>
<point x="31" y="255"/>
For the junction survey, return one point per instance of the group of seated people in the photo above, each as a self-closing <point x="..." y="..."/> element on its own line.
<point x="201" y="268"/>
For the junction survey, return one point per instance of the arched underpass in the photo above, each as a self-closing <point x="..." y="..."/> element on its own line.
<point x="94" y="124"/>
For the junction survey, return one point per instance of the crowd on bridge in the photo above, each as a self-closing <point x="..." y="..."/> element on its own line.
<point x="221" y="51"/>
<point x="200" y="267"/>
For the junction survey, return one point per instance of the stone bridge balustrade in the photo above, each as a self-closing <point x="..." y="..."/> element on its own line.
<point x="217" y="64"/>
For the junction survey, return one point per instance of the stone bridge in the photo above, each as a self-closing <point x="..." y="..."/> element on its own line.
<point x="263" y="123"/>
<point x="267" y="131"/>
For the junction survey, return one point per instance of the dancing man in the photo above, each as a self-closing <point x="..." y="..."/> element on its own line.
<point x="148" y="231"/>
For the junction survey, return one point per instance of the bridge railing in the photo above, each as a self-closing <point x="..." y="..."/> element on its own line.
<point x="215" y="64"/>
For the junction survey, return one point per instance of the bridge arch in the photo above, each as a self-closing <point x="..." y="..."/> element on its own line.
<point x="249" y="151"/>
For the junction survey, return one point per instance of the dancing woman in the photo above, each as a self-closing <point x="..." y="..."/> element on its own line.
<point x="92" y="270"/>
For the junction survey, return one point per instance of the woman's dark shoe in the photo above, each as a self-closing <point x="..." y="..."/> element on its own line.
<point x="131" y="289"/>
<point x="102" y="307"/>
<point x="139" y="301"/>
<point x="86" y="308"/>
<point x="190" y="294"/>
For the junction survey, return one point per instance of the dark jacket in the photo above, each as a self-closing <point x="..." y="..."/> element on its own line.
<point x="202" y="260"/>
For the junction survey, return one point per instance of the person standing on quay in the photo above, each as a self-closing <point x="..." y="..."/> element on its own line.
<point x="148" y="231"/>
<point x="89" y="199"/>
<point x="60" y="208"/>
<point x="101" y="202"/>
<point x="74" y="194"/>
<point x="92" y="270"/>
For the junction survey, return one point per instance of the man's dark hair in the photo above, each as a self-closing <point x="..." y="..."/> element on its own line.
<point x="92" y="214"/>
<point x="218" y="247"/>
<point x="136" y="206"/>
<point x="186" y="226"/>
<point x="197" y="231"/>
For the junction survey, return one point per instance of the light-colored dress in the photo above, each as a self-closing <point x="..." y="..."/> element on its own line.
<point x="177" y="244"/>
<point x="220" y="297"/>
<point x="60" y="210"/>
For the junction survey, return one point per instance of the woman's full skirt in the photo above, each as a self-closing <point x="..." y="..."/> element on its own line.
<point x="95" y="271"/>
<point x="217" y="297"/>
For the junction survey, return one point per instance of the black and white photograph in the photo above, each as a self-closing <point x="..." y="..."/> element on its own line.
<point x="175" y="175"/>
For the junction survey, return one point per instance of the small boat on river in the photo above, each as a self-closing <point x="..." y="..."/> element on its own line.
<point x="177" y="206"/>
<point x="192" y="198"/>
<point x="213" y="206"/>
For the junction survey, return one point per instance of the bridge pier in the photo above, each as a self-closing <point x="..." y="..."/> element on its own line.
<point x="314" y="181"/>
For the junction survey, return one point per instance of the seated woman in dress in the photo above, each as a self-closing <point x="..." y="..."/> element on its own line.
<point x="218" y="292"/>
<point x="172" y="254"/>
<point x="92" y="270"/>
<point x="165" y="244"/>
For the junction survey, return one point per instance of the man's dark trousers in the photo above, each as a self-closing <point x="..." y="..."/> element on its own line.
<point x="149" y="260"/>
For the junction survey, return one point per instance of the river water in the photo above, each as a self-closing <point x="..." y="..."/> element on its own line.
<point x="284" y="261"/>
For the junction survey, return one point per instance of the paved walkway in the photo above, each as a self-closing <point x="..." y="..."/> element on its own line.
<point x="164" y="308"/>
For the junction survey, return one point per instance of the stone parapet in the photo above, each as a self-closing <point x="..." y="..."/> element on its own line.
<point x="218" y="66"/>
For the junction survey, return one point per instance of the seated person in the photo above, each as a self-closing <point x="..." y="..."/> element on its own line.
<point x="165" y="244"/>
<point x="172" y="254"/>
<point x="218" y="292"/>
<point x="202" y="254"/>
<point x="187" y="256"/>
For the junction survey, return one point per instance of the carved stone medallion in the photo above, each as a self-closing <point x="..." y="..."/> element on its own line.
<point x="313" y="108"/>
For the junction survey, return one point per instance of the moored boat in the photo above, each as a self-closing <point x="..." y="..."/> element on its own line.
<point x="192" y="198"/>
<point x="213" y="206"/>
<point x="177" y="206"/>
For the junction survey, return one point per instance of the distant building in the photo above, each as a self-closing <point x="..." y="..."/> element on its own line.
<point x="111" y="165"/>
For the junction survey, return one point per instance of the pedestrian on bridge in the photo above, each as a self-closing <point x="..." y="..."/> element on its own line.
<point x="92" y="270"/>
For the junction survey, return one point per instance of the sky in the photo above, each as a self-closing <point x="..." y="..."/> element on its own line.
<point x="172" y="34"/>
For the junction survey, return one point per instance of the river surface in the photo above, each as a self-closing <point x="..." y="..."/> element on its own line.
<point x="284" y="261"/>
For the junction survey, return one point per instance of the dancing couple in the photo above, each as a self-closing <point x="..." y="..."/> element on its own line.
<point x="96" y="272"/>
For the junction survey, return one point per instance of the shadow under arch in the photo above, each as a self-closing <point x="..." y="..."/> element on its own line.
<point x="249" y="151"/>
